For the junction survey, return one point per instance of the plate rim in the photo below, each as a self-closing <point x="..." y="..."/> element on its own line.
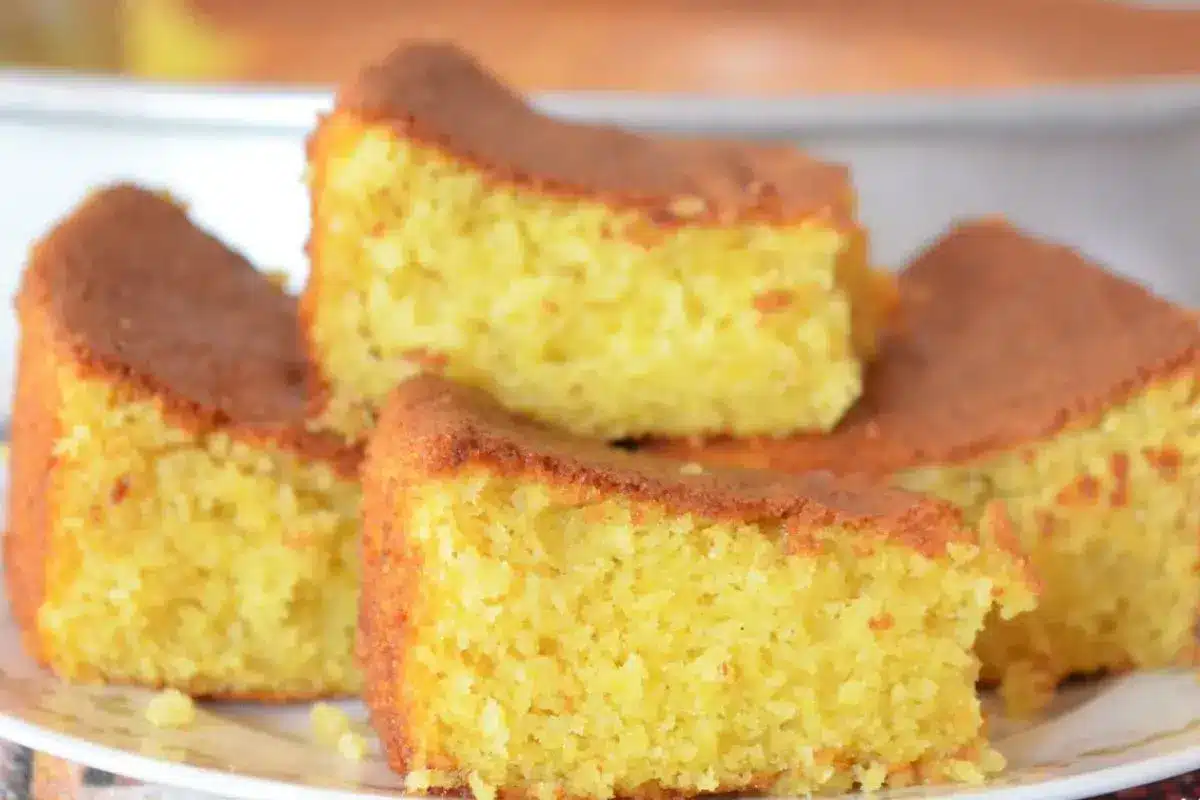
<point x="161" y="773"/>
<point x="47" y="95"/>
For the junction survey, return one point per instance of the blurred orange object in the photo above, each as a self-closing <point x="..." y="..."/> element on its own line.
<point x="79" y="34"/>
<point x="752" y="46"/>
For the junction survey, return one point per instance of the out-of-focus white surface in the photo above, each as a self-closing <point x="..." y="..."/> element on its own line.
<point x="1118" y="178"/>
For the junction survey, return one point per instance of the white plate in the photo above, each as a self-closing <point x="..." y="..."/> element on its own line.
<point x="1109" y="170"/>
<point x="1097" y="738"/>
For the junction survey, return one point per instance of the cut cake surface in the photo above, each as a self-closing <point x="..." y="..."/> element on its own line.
<point x="171" y="521"/>
<point x="586" y="594"/>
<point x="583" y="275"/>
<point x="1026" y="373"/>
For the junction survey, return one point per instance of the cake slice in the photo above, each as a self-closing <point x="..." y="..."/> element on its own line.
<point x="548" y="617"/>
<point x="609" y="283"/>
<point x="170" y="521"/>
<point x="1031" y="375"/>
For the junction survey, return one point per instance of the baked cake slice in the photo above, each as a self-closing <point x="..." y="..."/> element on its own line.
<point x="548" y="617"/>
<point x="1031" y="375"/>
<point x="606" y="282"/>
<point x="170" y="521"/>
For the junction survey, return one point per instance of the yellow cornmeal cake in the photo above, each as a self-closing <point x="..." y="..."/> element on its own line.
<point x="544" y="617"/>
<point x="608" y="283"/>
<point x="170" y="522"/>
<point x="1028" y="374"/>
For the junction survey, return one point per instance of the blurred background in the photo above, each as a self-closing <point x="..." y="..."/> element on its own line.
<point x="716" y="46"/>
<point x="939" y="124"/>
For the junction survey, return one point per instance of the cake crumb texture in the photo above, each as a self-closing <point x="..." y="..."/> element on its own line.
<point x="528" y="633"/>
<point x="1029" y="375"/>
<point x="608" y="283"/>
<point x="170" y="708"/>
<point x="332" y="729"/>
<point x="1110" y="530"/>
<point x="171" y="523"/>
<point x="328" y="723"/>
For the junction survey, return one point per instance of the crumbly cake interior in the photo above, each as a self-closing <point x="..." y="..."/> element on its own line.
<point x="599" y="646"/>
<point x="193" y="560"/>
<point x="1027" y="373"/>
<point x="592" y="318"/>
<point x="1108" y="518"/>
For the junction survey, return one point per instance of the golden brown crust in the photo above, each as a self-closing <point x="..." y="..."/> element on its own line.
<point x="35" y="428"/>
<point x="436" y="93"/>
<point x="321" y="145"/>
<point x="134" y="293"/>
<point x="1007" y="340"/>
<point x="384" y="628"/>
<point x="432" y="426"/>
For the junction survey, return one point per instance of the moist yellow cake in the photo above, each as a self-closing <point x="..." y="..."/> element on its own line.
<point x="1030" y="375"/>
<point x="608" y="283"/>
<point x="170" y="521"/>
<point x="543" y="616"/>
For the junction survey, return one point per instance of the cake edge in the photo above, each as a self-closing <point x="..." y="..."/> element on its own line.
<point x="872" y="292"/>
<point x="384" y="637"/>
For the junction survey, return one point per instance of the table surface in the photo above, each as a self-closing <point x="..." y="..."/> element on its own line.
<point x="28" y="775"/>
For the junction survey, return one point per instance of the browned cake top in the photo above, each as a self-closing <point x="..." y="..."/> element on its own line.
<point x="433" y="426"/>
<point x="138" y="292"/>
<point x="436" y="92"/>
<point x="1008" y="339"/>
